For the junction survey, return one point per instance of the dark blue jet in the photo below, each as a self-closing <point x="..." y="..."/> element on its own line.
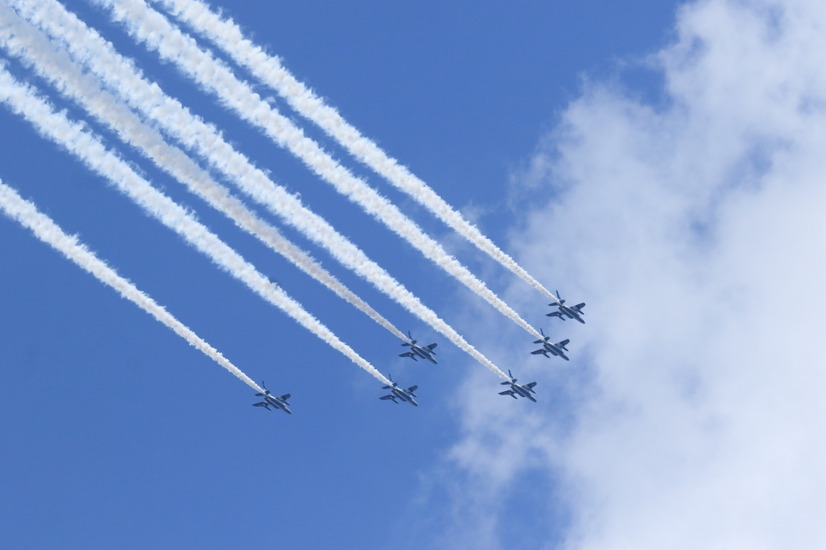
<point x="557" y="349"/>
<point x="405" y="395"/>
<point x="571" y="312"/>
<point x="273" y="400"/>
<point x="416" y="352"/>
<point x="522" y="390"/>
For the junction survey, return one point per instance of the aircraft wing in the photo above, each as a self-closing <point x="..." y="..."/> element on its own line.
<point x="579" y="307"/>
<point x="409" y="354"/>
<point x="508" y="392"/>
<point x="530" y="385"/>
<point x="431" y="346"/>
<point x="390" y="397"/>
<point x="286" y="396"/>
<point x="411" y="389"/>
<point x="540" y="351"/>
<point x="564" y="343"/>
<point x="555" y="314"/>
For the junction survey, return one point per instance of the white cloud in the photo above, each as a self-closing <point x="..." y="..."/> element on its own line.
<point x="693" y="414"/>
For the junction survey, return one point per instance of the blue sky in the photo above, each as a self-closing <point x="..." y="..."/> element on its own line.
<point x="621" y="152"/>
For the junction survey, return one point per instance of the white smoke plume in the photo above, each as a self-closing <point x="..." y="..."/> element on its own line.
<point x="45" y="229"/>
<point x="226" y="34"/>
<point x="156" y="32"/>
<point x="81" y="143"/>
<point x="22" y="40"/>
<point x="98" y="55"/>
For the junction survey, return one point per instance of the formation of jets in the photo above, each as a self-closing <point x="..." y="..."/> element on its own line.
<point x="416" y="352"/>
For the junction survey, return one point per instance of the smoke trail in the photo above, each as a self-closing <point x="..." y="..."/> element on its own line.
<point x="91" y="151"/>
<point x="85" y="45"/>
<point x="29" y="44"/>
<point x="228" y="36"/>
<point x="45" y="229"/>
<point x="153" y="29"/>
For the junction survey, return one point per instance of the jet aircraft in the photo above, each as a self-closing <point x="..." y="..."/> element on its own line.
<point x="417" y="352"/>
<point x="571" y="312"/>
<point x="405" y="395"/>
<point x="273" y="400"/>
<point x="522" y="390"/>
<point x="557" y="349"/>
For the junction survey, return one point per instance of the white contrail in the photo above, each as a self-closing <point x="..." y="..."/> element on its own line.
<point x="119" y="74"/>
<point x="33" y="47"/>
<point x="92" y="152"/>
<point x="153" y="29"/>
<point x="45" y="229"/>
<point x="227" y="35"/>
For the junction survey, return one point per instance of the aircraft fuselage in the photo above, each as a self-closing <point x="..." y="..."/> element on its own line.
<point x="564" y="311"/>
<point x="557" y="349"/>
<point x="419" y="351"/>
<point x="406" y="395"/>
<point x="520" y="390"/>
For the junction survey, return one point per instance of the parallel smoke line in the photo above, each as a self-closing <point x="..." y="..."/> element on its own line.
<point x="227" y="35"/>
<point x="156" y="32"/>
<point x="91" y="151"/>
<point x="33" y="48"/>
<point x="45" y="229"/>
<point x="120" y="75"/>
